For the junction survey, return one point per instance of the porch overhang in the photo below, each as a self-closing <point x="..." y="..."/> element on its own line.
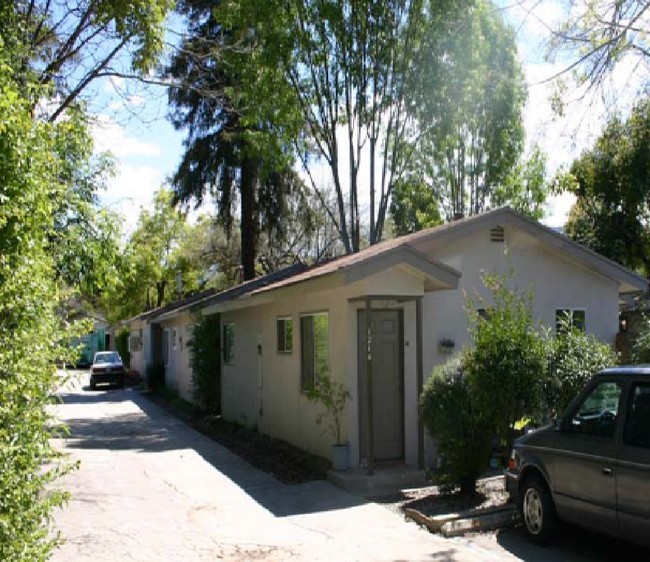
<point x="434" y="274"/>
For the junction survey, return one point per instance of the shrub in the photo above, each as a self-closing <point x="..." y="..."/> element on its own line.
<point x="641" y="346"/>
<point x="332" y="395"/>
<point x="449" y="413"/>
<point x="205" y="360"/>
<point x="507" y="365"/>
<point x="574" y="357"/>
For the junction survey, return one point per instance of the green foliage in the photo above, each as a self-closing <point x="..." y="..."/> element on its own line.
<point x="337" y="68"/>
<point x="451" y="415"/>
<point x="122" y="346"/>
<point x="641" y="346"/>
<point x="333" y="396"/>
<point x="613" y="192"/>
<point x="65" y="46"/>
<point x="205" y="360"/>
<point x="525" y="188"/>
<point x="507" y="364"/>
<point x="414" y="207"/>
<point x="472" y="124"/>
<point x="574" y="357"/>
<point x="150" y="261"/>
<point x="30" y="330"/>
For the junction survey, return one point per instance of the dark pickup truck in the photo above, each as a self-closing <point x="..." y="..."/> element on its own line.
<point x="592" y="466"/>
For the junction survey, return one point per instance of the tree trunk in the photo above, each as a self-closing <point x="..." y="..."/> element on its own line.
<point x="248" y="224"/>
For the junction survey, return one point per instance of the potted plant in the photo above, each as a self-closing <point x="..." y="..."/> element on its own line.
<point x="333" y="395"/>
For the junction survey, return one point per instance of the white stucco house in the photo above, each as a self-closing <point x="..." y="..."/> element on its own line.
<point x="160" y="336"/>
<point x="277" y="334"/>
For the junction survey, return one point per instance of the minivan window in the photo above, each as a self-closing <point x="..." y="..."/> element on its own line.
<point x="597" y="414"/>
<point x="637" y="427"/>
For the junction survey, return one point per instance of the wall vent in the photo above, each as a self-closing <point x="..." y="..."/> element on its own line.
<point x="497" y="234"/>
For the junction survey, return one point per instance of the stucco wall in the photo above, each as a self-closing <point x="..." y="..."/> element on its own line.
<point x="556" y="282"/>
<point x="263" y="391"/>
<point x="262" y="388"/>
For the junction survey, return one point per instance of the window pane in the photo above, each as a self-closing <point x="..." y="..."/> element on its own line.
<point x="321" y="345"/>
<point x="306" y="352"/>
<point x="598" y="412"/>
<point x="637" y="428"/>
<point x="285" y="335"/>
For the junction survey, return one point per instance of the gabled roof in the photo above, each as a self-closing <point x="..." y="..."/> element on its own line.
<point x="628" y="280"/>
<point x="411" y="251"/>
<point x="172" y="306"/>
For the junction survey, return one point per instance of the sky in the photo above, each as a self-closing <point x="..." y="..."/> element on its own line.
<point x="131" y="121"/>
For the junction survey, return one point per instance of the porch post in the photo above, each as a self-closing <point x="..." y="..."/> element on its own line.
<point x="370" y="428"/>
<point x="420" y="378"/>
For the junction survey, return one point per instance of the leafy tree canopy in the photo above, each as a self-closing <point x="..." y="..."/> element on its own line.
<point x="612" y="185"/>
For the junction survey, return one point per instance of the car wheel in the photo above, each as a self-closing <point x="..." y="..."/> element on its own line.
<point x="537" y="510"/>
<point x="120" y="382"/>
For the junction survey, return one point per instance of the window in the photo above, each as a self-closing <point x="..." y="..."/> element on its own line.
<point x="229" y="343"/>
<point x="174" y="338"/>
<point x="314" y="348"/>
<point x="569" y="317"/>
<point x="597" y="414"/>
<point x="637" y="427"/>
<point x="285" y="335"/>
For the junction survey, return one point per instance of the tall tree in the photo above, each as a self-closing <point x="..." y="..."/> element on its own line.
<point x="238" y="161"/>
<point x="347" y="68"/>
<point x="612" y="185"/>
<point x="474" y="85"/>
<point x="150" y="261"/>
<point x="32" y="190"/>
<point x="66" y="45"/>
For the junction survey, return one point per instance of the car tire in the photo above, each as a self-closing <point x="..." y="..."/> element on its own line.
<point x="120" y="382"/>
<point x="537" y="510"/>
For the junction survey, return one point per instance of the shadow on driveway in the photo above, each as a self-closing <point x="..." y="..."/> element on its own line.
<point x="572" y="544"/>
<point x="152" y="430"/>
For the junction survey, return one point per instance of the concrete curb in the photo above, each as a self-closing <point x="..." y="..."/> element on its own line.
<point x="455" y="524"/>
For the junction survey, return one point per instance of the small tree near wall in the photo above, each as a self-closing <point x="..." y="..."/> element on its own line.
<point x="507" y="365"/>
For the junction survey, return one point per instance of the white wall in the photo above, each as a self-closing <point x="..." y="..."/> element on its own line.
<point x="263" y="391"/>
<point x="556" y="282"/>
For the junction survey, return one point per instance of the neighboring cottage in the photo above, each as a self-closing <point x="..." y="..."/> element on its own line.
<point x="280" y="331"/>
<point x="278" y="337"/>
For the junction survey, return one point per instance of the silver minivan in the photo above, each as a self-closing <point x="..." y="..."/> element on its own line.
<point x="592" y="466"/>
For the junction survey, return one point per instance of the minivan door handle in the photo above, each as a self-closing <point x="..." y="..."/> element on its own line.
<point x="607" y="471"/>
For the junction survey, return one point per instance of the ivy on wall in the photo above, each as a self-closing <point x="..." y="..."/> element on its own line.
<point x="205" y="360"/>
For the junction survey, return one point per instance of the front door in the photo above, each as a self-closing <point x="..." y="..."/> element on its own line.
<point x="387" y="384"/>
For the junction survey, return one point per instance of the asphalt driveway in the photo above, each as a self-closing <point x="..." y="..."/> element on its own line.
<point x="150" y="488"/>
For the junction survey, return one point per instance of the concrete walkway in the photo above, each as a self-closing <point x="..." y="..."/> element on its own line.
<point x="150" y="488"/>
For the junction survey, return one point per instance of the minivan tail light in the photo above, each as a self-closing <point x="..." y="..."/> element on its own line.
<point x="513" y="461"/>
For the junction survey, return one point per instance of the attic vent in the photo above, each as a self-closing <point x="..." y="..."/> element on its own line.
<point x="497" y="234"/>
